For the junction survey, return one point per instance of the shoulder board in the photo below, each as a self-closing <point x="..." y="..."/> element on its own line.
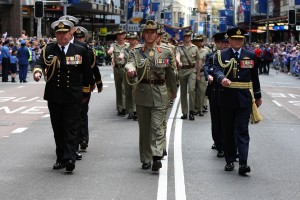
<point x="165" y="47"/>
<point x="181" y="45"/>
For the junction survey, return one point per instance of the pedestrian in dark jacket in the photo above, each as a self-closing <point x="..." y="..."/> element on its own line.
<point x="23" y="56"/>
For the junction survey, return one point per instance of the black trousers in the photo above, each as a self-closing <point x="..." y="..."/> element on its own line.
<point x="235" y="123"/>
<point x="216" y="126"/>
<point x="84" y="125"/>
<point x="65" y="120"/>
<point x="5" y="69"/>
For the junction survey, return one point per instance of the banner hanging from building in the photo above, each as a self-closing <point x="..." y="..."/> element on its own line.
<point x="229" y="12"/>
<point x="130" y="9"/>
<point x="168" y="18"/>
<point x="222" y="21"/>
<point x="176" y="32"/>
<point x="263" y="6"/>
<point x="155" y="6"/>
<point x="146" y="8"/>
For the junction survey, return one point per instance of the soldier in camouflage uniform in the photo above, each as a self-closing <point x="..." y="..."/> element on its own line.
<point x="154" y="67"/>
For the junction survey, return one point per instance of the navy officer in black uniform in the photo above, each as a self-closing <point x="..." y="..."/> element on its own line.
<point x="221" y="42"/>
<point x="67" y="85"/>
<point x="80" y="35"/>
<point x="236" y="70"/>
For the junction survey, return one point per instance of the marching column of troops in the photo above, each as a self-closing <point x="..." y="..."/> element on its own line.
<point x="147" y="77"/>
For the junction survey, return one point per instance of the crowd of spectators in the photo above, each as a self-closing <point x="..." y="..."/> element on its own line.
<point x="35" y="46"/>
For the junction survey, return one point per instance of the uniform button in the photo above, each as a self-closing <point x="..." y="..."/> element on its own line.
<point x="68" y="72"/>
<point x="238" y="70"/>
<point x="58" y="75"/>
<point x="238" y="76"/>
<point x="68" y="86"/>
<point x="57" y="85"/>
<point x="58" y="80"/>
<point x="68" y="76"/>
<point x="68" y="81"/>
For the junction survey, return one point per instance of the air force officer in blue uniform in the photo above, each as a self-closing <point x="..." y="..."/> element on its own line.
<point x="236" y="70"/>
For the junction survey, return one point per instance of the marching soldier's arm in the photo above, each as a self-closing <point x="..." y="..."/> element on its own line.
<point x="130" y="67"/>
<point x="38" y="68"/>
<point x="95" y="71"/>
<point x="199" y="63"/>
<point x="171" y="75"/>
<point x="206" y="67"/>
<point x="255" y="81"/>
<point x="178" y="61"/>
<point x="218" y="73"/>
<point x="111" y="49"/>
<point x="86" y="72"/>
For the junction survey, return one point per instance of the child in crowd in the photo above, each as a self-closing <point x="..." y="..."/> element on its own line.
<point x="13" y="65"/>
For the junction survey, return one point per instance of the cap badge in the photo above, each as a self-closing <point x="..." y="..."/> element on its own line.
<point x="238" y="32"/>
<point x="61" y="25"/>
<point x="78" y="31"/>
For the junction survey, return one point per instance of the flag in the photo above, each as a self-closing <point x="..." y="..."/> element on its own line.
<point x="263" y="6"/>
<point x="130" y="9"/>
<point x="155" y="6"/>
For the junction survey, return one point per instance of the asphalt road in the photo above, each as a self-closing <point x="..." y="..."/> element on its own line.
<point x="110" y="168"/>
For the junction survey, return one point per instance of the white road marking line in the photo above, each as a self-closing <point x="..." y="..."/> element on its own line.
<point x="20" y="87"/>
<point x="178" y="163"/>
<point x="278" y="104"/>
<point x="19" y="130"/>
<point x="162" y="190"/>
<point x="1" y="91"/>
<point x="47" y="115"/>
<point x="111" y="75"/>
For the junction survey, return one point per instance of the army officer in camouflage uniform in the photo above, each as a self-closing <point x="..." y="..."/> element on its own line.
<point x="154" y="68"/>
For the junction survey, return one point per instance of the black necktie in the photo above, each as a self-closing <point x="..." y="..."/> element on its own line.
<point x="236" y="54"/>
<point x="63" y="50"/>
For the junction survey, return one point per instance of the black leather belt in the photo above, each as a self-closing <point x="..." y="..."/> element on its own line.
<point x="153" y="81"/>
<point x="119" y="66"/>
<point x="187" y="67"/>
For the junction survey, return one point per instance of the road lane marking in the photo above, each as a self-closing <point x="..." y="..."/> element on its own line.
<point x="19" y="130"/>
<point x="178" y="163"/>
<point x="20" y="87"/>
<point x="162" y="190"/>
<point x="278" y="104"/>
<point x="47" y="115"/>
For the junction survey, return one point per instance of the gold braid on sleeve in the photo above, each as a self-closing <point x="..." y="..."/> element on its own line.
<point x="49" y="64"/>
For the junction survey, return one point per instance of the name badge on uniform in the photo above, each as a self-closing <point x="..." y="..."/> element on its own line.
<point x="247" y="64"/>
<point x="74" y="60"/>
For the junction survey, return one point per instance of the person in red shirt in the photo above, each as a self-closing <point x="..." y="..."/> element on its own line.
<point x="258" y="53"/>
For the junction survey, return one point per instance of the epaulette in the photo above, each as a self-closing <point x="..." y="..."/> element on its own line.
<point x="165" y="47"/>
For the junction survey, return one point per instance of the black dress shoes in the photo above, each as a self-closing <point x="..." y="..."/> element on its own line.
<point x="201" y="114"/>
<point x="122" y="113"/>
<point x="59" y="165"/>
<point x="164" y="153"/>
<point x="130" y="116"/>
<point x="229" y="166"/>
<point x="70" y="166"/>
<point x="220" y="154"/>
<point x="156" y="165"/>
<point x="146" y="165"/>
<point x="214" y="146"/>
<point x="83" y="145"/>
<point x="78" y="156"/>
<point x="184" y="116"/>
<point x="243" y="169"/>
<point x="135" y="117"/>
<point x="205" y="109"/>
<point x="191" y="116"/>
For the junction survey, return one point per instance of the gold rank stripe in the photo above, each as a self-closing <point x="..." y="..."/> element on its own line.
<point x="240" y="85"/>
<point x="86" y="89"/>
<point x="98" y="82"/>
